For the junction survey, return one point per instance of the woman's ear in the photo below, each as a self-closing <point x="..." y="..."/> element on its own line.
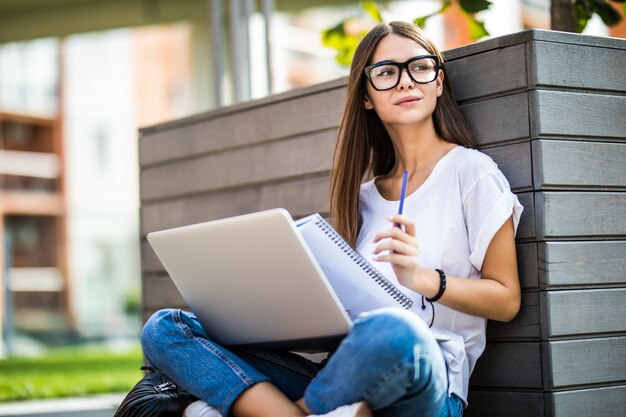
<point x="368" y="103"/>
<point x="439" y="81"/>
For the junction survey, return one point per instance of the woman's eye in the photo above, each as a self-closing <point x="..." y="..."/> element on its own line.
<point x="385" y="71"/>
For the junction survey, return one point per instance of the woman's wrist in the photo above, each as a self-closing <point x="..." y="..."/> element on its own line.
<point x="430" y="283"/>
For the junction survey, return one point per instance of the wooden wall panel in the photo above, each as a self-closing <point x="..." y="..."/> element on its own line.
<point x="578" y="165"/>
<point x="159" y="292"/>
<point x="300" y="196"/>
<point x="580" y="214"/>
<point x="499" y="119"/>
<point x="489" y="73"/>
<point x="584" y="362"/>
<point x="596" y="402"/>
<point x="527" y="265"/>
<point x="150" y="264"/>
<point x="244" y="125"/>
<point x="526" y="227"/>
<point x="525" y="327"/>
<point x="504" y="404"/>
<point x="582" y="264"/>
<point x="309" y="154"/>
<point x="509" y="365"/>
<point x="591" y="116"/>
<point x="583" y="312"/>
<point x="514" y="161"/>
<point x="588" y="67"/>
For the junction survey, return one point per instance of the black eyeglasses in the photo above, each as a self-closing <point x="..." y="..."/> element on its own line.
<point x="385" y="75"/>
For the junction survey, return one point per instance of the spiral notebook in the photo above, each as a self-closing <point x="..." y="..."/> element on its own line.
<point x="358" y="284"/>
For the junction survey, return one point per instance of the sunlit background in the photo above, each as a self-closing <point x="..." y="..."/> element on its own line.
<point x="77" y="79"/>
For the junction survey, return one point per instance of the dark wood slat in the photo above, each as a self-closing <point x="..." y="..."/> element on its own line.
<point x="149" y="261"/>
<point x="583" y="312"/>
<point x="568" y="164"/>
<point x="242" y="127"/>
<point x="500" y="119"/>
<point x="534" y="35"/>
<point x="588" y="115"/>
<point x="159" y="292"/>
<point x="596" y="402"/>
<point x="303" y="155"/>
<point x="579" y="264"/>
<point x="504" y="404"/>
<point x="584" y="362"/>
<point x="576" y="214"/>
<point x="524" y="327"/>
<point x="527" y="265"/>
<point x="509" y="365"/>
<point x="489" y="73"/>
<point x="526" y="228"/>
<point x="514" y="161"/>
<point x="300" y="197"/>
<point x="600" y="69"/>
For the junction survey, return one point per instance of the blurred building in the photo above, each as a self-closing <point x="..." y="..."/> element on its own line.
<point x="78" y="77"/>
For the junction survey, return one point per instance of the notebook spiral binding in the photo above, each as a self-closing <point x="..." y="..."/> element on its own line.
<point x="379" y="278"/>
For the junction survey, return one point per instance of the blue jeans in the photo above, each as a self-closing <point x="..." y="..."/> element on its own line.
<point x="389" y="359"/>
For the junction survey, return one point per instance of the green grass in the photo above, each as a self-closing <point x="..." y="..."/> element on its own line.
<point x="67" y="373"/>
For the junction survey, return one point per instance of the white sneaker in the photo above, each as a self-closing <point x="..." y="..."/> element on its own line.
<point x="201" y="409"/>
<point x="360" y="409"/>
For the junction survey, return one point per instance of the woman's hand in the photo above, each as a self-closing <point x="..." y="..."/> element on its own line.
<point x="402" y="250"/>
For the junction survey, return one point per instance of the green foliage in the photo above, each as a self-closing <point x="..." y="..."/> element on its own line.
<point x="373" y="10"/>
<point x="476" y="27"/>
<point x="67" y="373"/>
<point x="346" y="35"/>
<point x="474" y="6"/>
<point x="421" y="21"/>
<point x="585" y="10"/>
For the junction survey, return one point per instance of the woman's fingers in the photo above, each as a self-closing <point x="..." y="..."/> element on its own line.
<point x="396" y="234"/>
<point x="408" y="262"/>
<point x="397" y="246"/>
<point x="407" y="222"/>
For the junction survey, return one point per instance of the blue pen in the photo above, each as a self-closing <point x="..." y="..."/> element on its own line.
<point x="405" y="179"/>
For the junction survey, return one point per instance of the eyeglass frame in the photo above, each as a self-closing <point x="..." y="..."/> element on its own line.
<point x="402" y="66"/>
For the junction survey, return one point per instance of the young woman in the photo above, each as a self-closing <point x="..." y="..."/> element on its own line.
<point x="453" y="252"/>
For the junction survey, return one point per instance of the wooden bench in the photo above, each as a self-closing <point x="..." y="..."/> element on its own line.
<point x="550" y="108"/>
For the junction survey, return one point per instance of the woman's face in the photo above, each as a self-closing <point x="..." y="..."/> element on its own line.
<point x="408" y="102"/>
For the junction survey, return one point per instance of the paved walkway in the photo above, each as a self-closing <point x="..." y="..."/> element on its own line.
<point x="96" y="406"/>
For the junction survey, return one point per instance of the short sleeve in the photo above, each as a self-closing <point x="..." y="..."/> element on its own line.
<point x="486" y="207"/>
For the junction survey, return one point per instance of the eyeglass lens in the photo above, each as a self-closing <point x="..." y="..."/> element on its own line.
<point x="387" y="76"/>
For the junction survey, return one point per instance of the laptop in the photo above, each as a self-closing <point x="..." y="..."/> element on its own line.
<point x="252" y="281"/>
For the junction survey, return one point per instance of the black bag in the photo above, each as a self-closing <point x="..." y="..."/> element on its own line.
<point x="154" y="396"/>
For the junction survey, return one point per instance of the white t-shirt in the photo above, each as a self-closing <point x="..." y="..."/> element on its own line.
<point x="457" y="211"/>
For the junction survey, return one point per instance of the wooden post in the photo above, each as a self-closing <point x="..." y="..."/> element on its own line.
<point x="562" y="15"/>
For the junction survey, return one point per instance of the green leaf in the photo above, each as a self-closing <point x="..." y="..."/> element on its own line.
<point x="608" y="14"/>
<point x="345" y="45"/>
<point x="584" y="12"/>
<point x="476" y="27"/>
<point x="474" y="6"/>
<point x="371" y="7"/>
<point x="421" y="21"/>
<point x="332" y="36"/>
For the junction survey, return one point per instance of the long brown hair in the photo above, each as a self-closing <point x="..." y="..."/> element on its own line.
<point x="364" y="144"/>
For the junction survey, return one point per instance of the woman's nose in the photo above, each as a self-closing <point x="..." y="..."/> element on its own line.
<point x="405" y="79"/>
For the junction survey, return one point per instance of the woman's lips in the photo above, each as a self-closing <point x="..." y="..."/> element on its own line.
<point x="407" y="101"/>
